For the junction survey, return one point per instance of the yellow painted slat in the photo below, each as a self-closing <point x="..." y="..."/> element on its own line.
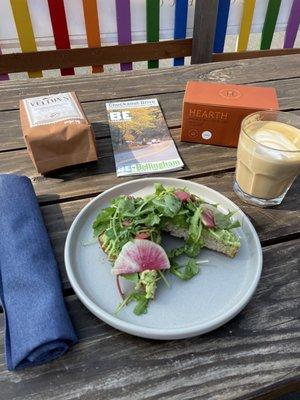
<point x="246" y="23"/>
<point x="24" y="28"/>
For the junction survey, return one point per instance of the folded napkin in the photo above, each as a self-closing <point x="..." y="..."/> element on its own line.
<point x="38" y="327"/>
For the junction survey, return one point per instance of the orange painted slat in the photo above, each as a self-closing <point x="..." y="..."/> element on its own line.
<point x="92" y="28"/>
<point x="24" y="28"/>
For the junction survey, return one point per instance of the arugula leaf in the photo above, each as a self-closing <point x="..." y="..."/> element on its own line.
<point x="176" y="252"/>
<point x="158" y="188"/>
<point x="128" y="299"/>
<point x="131" y="277"/>
<point x="193" y="249"/>
<point x="109" y="233"/>
<point x="191" y="269"/>
<point x="162" y="275"/>
<point x="155" y="236"/>
<point x="179" y="220"/>
<point x="186" y="272"/>
<point x="142" y="304"/>
<point x="150" y="220"/>
<point x="195" y="228"/>
<point x="168" y="205"/>
<point x="125" y="205"/>
<point x="140" y="298"/>
<point x="234" y="224"/>
<point x="191" y="206"/>
<point x="190" y="249"/>
<point x="102" y="220"/>
<point x="223" y="221"/>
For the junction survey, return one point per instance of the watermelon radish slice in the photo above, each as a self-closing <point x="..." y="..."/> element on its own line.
<point x="182" y="195"/>
<point x="208" y="219"/>
<point x="140" y="255"/>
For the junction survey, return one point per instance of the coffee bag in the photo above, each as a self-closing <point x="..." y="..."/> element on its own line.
<point x="56" y="131"/>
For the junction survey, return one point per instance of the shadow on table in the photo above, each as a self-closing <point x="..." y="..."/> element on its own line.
<point x="289" y="203"/>
<point x="291" y="200"/>
<point x="290" y="396"/>
<point x="57" y="225"/>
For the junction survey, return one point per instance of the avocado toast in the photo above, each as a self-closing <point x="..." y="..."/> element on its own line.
<point x="129" y="232"/>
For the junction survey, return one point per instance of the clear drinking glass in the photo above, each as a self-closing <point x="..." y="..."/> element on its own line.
<point x="268" y="157"/>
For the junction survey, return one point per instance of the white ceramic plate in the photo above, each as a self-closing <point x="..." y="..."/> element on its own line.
<point x="220" y="291"/>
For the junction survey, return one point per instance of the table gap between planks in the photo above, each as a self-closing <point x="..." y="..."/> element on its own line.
<point x="256" y="355"/>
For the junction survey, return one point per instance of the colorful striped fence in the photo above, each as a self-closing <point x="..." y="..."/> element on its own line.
<point x="218" y="13"/>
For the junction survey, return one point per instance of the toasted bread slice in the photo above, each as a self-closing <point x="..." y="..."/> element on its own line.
<point x="104" y="248"/>
<point x="223" y="241"/>
<point x="220" y="240"/>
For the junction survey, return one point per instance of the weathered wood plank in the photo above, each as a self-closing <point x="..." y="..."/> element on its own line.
<point x="90" y="179"/>
<point x="137" y="83"/>
<point x="204" y="27"/>
<point x="81" y="57"/>
<point x="171" y="103"/>
<point x="241" y="55"/>
<point x="272" y="224"/>
<point x="87" y="179"/>
<point x="254" y="354"/>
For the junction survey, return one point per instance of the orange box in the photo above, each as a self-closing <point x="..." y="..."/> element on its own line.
<point x="212" y="112"/>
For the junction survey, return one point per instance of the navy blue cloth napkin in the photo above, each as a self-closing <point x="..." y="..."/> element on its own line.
<point x="38" y="327"/>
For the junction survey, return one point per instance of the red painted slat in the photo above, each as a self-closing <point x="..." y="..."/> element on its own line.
<point x="60" y="29"/>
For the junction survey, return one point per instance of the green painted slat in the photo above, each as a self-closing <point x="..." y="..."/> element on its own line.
<point x="269" y="24"/>
<point x="152" y="12"/>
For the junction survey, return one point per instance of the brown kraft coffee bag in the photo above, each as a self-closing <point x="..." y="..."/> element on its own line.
<point x="56" y="131"/>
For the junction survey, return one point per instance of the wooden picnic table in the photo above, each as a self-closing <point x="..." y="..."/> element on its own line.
<point x="255" y="355"/>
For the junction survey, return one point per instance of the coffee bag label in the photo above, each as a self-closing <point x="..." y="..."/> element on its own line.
<point x="49" y="109"/>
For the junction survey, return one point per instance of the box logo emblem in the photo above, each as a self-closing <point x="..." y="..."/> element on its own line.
<point x="230" y="93"/>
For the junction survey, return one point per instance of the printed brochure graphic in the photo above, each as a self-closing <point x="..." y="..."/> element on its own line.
<point x="141" y="140"/>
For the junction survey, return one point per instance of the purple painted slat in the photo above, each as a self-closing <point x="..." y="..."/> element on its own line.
<point x="3" y="77"/>
<point x="124" y="27"/>
<point x="292" y="25"/>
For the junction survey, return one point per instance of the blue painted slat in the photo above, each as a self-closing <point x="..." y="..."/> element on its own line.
<point x="181" y="10"/>
<point x="221" y="26"/>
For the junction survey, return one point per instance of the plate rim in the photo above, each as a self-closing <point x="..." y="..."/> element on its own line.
<point x="164" y="333"/>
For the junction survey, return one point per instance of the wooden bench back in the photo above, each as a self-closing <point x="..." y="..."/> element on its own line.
<point x="207" y="44"/>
